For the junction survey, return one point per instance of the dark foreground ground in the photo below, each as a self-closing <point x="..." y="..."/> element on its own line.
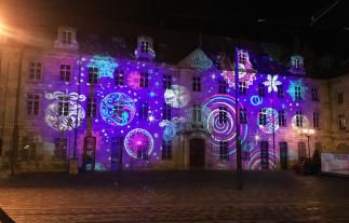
<point x="184" y="197"/>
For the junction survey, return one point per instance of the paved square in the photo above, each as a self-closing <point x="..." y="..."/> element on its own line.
<point x="175" y="197"/>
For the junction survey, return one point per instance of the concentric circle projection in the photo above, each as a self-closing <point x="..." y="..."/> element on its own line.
<point x="138" y="140"/>
<point x="272" y="123"/>
<point x="117" y="109"/>
<point x="222" y="129"/>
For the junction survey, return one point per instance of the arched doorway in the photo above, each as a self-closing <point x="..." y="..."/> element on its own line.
<point x="197" y="153"/>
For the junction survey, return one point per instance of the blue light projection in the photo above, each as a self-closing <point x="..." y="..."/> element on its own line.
<point x="171" y="128"/>
<point x="256" y="100"/>
<point x="117" y="109"/>
<point x="297" y="85"/>
<point x="106" y="65"/>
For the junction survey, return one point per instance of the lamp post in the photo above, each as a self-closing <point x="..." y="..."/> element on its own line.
<point x="308" y="132"/>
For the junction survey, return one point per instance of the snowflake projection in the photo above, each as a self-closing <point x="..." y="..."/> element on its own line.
<point x="272" y="83"/>
<point x="171" y="127"/>
<point x="177" y="96"/>
<point x="117" y="109"/>
<point x="134" y="80"/>
<point x="297" y="89"/>
<point x="272" y="124"/>
<point x="138" y="141"/>
<point x="65" y="113"/>
<point x="106" y="65"/>
<point x="222" y="129"/>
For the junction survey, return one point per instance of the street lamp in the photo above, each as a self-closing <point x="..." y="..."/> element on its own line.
<point x="308" y="132"/>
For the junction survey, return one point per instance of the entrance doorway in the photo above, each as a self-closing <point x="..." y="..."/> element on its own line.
<point x="283" y="155"/>
<point x="197" y="153"/>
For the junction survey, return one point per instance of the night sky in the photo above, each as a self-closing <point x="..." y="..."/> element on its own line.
<point x="281" y="22"/>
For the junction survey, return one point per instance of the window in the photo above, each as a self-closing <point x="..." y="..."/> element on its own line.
<point x="242" y="57"/>
<point x="314" y="94"/>
<point x="33" y="103"/>
<point x="91" y="107"/>
<point x="166" y="153"/>
<point x="299" y="119"/>
<point x="261" y="90"/>
<point x="167" y="81"/>
<point x="342" y="122"/>
<point x="60" y="151"/>
<point x="262" y="119"/>
<point x="145" y="46"/>
<point x="222" y="87"/>
<point x="196" y="113"/>
<point x="144" y="82"/>
<point x="280" y="91"/>
<point x="119" y="78"/>
<point x="65" y="72"/>
<point x="63" y="106"/>
<point x="282" y="118"/>
<point x="243" y="116"/>
<point x="340" y="98"/>
<point x="222" y="115"/>
<point x="242" y="88"/>
<point x="223" y="150"/>
<point x="196" y="84"/>
<point x="264" y="155"/>
<point x="92" y="75"/>
<point x="67" y="37"/>
<point x="316" y="119"/>
<point x="35" y="71"/>
<point x="142" y="153"/>
<point x="167" y="112"/>
<point x="144" y="111"/>
<point x="298" y="93"/>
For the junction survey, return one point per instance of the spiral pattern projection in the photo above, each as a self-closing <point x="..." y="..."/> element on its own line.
<point x="222" y="130"/>
<point x="117" y="109"/>
<point x="137" y="140"/>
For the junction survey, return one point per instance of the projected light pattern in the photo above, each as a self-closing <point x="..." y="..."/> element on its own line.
<point x="117" y="109"/>
<point x="295" y="88"/>
<point x="138" y="140"/>
<point x="106" y="65"/>
<point x="134" y="80"/>
<point x="272" y="121"/>
<point x="256" y="100"/>
<point x="64" y="113"/>
<point x="272" y="83"/>
<point x="220" y="114"/>
<point x="177" y="96"/>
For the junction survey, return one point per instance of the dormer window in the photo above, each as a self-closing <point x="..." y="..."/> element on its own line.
<point x="145" y="48"/>
<point x="297" y="65"/>
<point x="66" y="38"/>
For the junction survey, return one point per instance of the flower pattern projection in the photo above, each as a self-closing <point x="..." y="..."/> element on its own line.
<point x="222" y="129"/>
<point x="117" y="109"/>
<point x="177" y="96"/>
<point x="64" y="120"/>
<point x="272" y="83"/>
<point x="297" y="87"/>
<point x="272" y="123"/>
<point x="106" y="65"/>
<point x="138" y="140"/>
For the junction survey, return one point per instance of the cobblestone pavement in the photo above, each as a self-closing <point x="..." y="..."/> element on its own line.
<point x="175" y="197"/>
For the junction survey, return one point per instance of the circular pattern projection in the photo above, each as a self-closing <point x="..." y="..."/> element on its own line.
<point x="137" y="141"/>
<point x="134" y="80"/>
<point x="60" y="122"/>
<point x="117" y="109"/>
<point x="256" y="100"/>
<point x="222" y="129"/>
<point x="272" y="123"/>
<point x="169" y="130"/>
<point x="177" y="96"/>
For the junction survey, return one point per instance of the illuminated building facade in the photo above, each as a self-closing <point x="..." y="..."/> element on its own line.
<point x="118" y="112"/>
